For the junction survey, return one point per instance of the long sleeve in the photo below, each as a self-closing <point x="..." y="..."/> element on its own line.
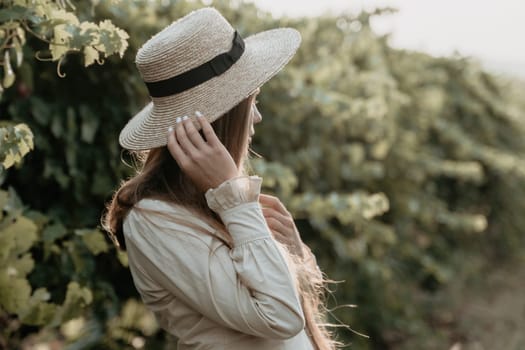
<point x="248" y="288"/>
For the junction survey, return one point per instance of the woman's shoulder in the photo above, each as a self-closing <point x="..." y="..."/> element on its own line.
<point x="174" y="220"/>
<point x="158" y="210"/>
<point x="159" y="204"/>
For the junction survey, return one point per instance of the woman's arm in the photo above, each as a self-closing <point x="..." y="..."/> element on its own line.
<point x="281" y="224"/>
<point x="248" y="288"/>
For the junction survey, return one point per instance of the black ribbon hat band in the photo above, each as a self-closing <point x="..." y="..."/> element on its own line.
<point x="198" y="75"/>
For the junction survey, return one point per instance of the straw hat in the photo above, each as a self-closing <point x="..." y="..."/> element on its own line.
<point x="200" y="63"/>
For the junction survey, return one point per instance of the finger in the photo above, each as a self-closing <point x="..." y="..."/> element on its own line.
<point x="276" y="225"/>
<point x="209" y="133"/>
<point x="280" y="238"/>
<point x="273" y="202"/>
<point x="193" y="134"/>
<point x="277" y="235"/>
<point x="175" y="150"/>
<point x="182" y="138"/>
<point x="270" y="212"/>
<point x="283" y="240"/>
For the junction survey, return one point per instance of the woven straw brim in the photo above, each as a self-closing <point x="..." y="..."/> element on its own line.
<point x="265" y="55"/>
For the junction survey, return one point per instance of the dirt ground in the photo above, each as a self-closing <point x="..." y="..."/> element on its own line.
<point x="484" y="311"/>
<point x="493" y="317"/>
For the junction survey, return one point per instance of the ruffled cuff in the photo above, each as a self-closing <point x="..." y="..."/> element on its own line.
<point x="233" y="192"/>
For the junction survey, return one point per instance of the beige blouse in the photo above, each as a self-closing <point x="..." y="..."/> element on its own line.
<point x="208" y="295"/>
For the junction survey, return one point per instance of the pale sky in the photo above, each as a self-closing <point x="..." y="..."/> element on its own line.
<point x="493" y="31"/>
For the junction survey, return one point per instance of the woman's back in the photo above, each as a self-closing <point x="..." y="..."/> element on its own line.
<point x="202" y="291"/>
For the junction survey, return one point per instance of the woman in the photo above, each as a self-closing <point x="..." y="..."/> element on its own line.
<point x="221" y="265"/>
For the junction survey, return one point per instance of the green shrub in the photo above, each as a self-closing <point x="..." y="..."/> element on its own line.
<point x="397" y="165"/>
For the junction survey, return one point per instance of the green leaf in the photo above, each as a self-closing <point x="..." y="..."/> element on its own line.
<point x="39" y="314"/>
<point x="14" y="13"/>
<point x="3" y="200"/>
<point x="17" y="142"/>
<point x="14" y="292"/>
<point x="61" y="41"/>
<point x="90" y="124"/>
<point x="94" y="241"/>
<point x="38" y="311"/>
<point x="91" y="55"/>
<point x="10" y="159"/>
<point x="7" y="243"/>
<point x="112" y="39"/>
<point x="23" y="232"/>
<point x="122" y="257"/>
<point x="53" y="232"/>
<point x="77" y="298"/>
<point x="40" y="110"/>
<point x="23" y="265"/>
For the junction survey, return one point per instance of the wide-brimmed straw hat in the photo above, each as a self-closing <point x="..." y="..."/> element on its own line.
<point x="201" y="63"/>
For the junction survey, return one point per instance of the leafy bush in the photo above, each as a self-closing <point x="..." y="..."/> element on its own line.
<point x="397" y="165"/>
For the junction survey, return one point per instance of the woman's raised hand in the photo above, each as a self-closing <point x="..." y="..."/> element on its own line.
<point x="281" y="224"/>
<point x="206" y="161"/>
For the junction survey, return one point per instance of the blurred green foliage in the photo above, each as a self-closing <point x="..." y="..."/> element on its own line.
<point x="52" y="23"/>
<point x="397" y="166"/>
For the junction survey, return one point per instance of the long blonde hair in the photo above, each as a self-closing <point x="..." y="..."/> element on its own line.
<point x="159" y="176"/>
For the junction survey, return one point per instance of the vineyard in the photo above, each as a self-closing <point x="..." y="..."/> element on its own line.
<point x="405" y="173"/>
